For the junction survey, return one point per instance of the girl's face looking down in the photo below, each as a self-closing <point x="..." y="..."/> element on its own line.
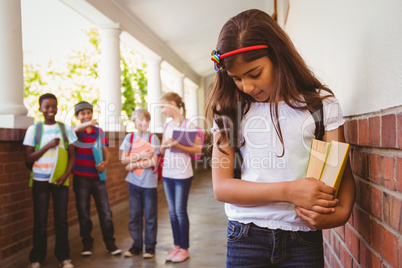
<point x="255" y="78"/>
<point x="169" y="108"/>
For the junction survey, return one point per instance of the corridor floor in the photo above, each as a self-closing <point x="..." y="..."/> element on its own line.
<point x="207" y="235"/>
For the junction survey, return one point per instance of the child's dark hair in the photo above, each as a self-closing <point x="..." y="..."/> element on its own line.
<point x="172" y="96"/>
<point x="46" y="96"/>
<point x="295" y="82"/>
<point x="82" y="105"/>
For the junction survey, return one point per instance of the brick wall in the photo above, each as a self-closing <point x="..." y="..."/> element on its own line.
<point x="16" y="213"/>
<point x="373" y="235"/>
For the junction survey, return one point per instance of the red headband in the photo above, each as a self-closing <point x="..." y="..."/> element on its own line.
<point x="216" y="58"/>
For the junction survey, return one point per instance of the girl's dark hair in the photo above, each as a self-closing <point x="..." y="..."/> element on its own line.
<point x="295" y="82"/>
<point x="46" y="96"/>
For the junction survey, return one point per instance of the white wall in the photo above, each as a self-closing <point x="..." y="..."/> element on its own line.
<point x="353" y="46"/>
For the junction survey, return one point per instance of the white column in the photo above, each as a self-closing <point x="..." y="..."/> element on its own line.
<point x="110" y="79"/>
<point x="13" y="113"/>
<point x="154" y="93"/>
<point x="192" y="103"/>
<point x="180" y="84"/>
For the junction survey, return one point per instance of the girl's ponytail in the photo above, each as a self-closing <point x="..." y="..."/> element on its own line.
<point x="172" y="96"/>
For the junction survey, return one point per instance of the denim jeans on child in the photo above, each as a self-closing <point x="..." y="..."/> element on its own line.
<point x="84" y="187"/>
<point x="41" y="192"/>
<point x="176" y="191"/>
<point x="143" y="202"/>
<point x="251" y="246"/>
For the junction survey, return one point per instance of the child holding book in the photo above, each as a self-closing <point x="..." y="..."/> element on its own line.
<point x="177" y="174"/>
<point x="87" y="180"/>
<point x="139" y="156"/>
<point x="43" y="158"/>
<point x="262" y="101"/>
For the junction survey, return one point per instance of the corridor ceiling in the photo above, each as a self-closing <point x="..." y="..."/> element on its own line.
<point x="181" y="32"/>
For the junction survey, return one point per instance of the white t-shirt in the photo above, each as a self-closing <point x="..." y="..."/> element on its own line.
<point x="176" y="165"/>
<point x="262" y="164"/>
<point x="42" y="168"/>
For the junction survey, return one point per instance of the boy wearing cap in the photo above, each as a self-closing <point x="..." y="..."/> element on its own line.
<point x="87" y="182"/>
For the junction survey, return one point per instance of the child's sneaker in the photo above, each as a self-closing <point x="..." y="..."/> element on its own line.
<point x="34" y="265"/>
<point x="181" y="256"/>
<point x="66" y="264"/>
<point x="113" y="250"/>
<point x="132" y="252"/>
<point x="149" y="253"/>
<point x="172" y="253"/>
<point x="86" y="251"/>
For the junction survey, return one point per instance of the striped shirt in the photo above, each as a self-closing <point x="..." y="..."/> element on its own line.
<point x="84" y="158"/>
<point x="42" y="168"/>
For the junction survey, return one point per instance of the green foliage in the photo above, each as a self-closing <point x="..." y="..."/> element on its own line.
<point x="77" y="78"/>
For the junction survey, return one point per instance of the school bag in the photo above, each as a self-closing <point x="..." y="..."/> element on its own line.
<point x="38" y="139"/>
<point x="159" y="162"/>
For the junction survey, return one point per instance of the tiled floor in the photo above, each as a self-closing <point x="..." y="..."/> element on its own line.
<point x="207" y="235"/>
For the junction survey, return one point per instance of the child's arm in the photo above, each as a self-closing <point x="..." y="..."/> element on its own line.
<point x="71" y="160"/>
<point x="102" y="165"/>
<point x="187" y="149"/>
<point x="346" y="196"/>
<point x="81" y="127"/>
<point x="304" y="192"/>
<point x="31" y="155"/>
<point x="126" y="158"/>
<point x="147" y="163"/>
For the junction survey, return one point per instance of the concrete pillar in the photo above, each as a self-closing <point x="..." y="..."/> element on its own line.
<point x="192" y="102"/>
<point x="154" y="93"/>
<point x="110" y="79"/>
<point x="180" y="84"/>
<point x="13" y="113"/>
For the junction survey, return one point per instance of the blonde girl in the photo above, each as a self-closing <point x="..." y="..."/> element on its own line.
<point x="262" y="101"/>
<point x="177" y="174"/>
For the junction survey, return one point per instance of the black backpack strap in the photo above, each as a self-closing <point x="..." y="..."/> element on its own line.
<point x="318" y="116"/>
<point x="38" y="135"/>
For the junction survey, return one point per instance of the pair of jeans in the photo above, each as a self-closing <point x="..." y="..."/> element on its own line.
<point x="84" y="187"/>
<point x="41" y="191"/>
<point x="177" y="191"/>
<point x="251" y="246"/>
<point x="143" y="202"/>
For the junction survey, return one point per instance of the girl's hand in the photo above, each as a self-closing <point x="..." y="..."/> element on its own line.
<point x="60" y="180"/>
<point x="315" y="219"/>
<point x="169" y="143"/>
<point x="313" y="195"/>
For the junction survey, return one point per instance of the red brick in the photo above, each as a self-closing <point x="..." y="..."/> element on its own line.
<point x="352" y="242"/>
<point x="362" y="223"/>
<point x="346" y="258"/>
<point x="371" y="199"/>
<point x="368" y="258"/>
<point x="382" y="170"/>
<point x="360" y="163"/>
<point x="392" y="212"/>
<point x="385" y="243"/>
<point x="346" y="131"/>
<point x="388" y="131"/>
<point x="399" y="131"/>
<point x="399" y="175"/>
<point x="363" y="132"/>
<point x="353" y="132"/>
<point x="374" y="131"/>
<point x="340" y="231"/>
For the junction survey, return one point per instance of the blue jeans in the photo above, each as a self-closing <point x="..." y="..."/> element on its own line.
<point x="177" y="191"/>
<point x="143" y="202"/>
<point x="41" y="192"/>
<point x="84" y="187"/>
<point x="251" y="246"/>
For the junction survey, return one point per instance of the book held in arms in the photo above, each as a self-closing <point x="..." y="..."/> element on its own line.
<point x="97" y="150"/>
<point x="327" y="162"/>
<point x="60" y="166"/>
<point x="185" y="136"/>
<point x="139" y="145"/>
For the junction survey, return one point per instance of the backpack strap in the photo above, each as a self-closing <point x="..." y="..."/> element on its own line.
<point x="38" y="135"/>
<point x="131" y="138"/>
<point x="318" y="116"/>
<point x="63" y="131"/>
<point x="150" y="137"/>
